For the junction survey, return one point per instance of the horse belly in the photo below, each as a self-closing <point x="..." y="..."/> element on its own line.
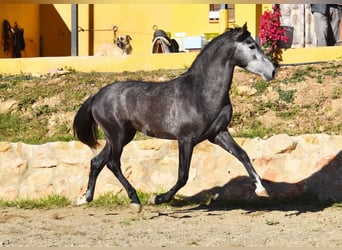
<point x="171" y="127"/>
<point x="151" y="125"/>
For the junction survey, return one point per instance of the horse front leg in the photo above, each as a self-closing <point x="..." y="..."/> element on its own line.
<point x="96" y="165"/>
<point x="225" y="140"/>
<point x="185" y="152"/>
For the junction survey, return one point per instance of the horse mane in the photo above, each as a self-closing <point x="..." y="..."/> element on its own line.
<point x="237" y="34"/>
<point x="232" y="35"/>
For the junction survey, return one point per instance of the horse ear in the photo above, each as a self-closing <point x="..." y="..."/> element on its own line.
<point x="242" y="33"/>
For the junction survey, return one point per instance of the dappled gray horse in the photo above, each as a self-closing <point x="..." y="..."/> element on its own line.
<point x="190" y="109"/>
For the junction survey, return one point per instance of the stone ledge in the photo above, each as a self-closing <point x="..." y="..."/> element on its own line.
<point x="289" y="166"/>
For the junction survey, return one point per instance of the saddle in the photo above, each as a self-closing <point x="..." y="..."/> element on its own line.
<point x="161" y="43"/>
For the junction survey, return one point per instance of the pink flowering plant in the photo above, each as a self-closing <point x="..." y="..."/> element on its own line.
<point x="270" y="33"/>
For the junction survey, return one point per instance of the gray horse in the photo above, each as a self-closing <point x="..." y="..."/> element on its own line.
<point x="190" y="109"/>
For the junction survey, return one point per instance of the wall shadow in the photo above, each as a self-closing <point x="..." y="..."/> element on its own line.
<point x="55" y="35"/>
<point x="312" y="194"/>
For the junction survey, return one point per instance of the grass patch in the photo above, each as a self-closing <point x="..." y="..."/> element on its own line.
<point x="311" y="71"/>
<point x="286" y="95"/>
<point x="271" y="222"/>
<point x="14" y="128"/>
<point x="261" y="86"/>
<point x="263" y="107"/>
<point x="51" y="201"/>
<point x="255" y="129"/>
<point x="110" y="199"/>
<point x="337" y="93"/>
<point x="288" y="113"/>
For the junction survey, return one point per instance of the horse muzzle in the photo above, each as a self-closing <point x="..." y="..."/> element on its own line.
<point x="268" y="76"/>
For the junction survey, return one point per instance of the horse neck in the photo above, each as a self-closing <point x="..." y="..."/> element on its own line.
<point x="213" y="76"/>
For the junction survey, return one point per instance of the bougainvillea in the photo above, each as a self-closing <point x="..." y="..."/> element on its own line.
<point x="271" y="32"/>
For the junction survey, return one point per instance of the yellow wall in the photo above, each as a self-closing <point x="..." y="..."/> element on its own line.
<point x="64" y="11"/>
<point x="137" y="20"/>
<point x="42" y="65"/>
<point x="55" y="33"/>
<point x="249" y="13"/>
<point x="27" y="17"/>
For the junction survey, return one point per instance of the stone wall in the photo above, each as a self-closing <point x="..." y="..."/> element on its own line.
<point x="288" y="165"/>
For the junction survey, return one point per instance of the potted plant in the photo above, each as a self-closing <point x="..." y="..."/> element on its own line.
<point x="272" y="36"/>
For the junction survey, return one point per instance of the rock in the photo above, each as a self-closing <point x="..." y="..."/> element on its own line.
<point x="279" y="144"/>
<point x="7" y="105"/>
<point x="12" y="166"/>
<point x="246" y="90"/>
<point x="9" y="193"/>
<point x="4" y="146"/>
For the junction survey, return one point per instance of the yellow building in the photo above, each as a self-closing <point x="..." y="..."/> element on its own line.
<point x="47" y="34"/>
<point x="47" y="27"/>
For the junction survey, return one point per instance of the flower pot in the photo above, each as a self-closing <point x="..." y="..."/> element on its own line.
<point x="289" y="34"/>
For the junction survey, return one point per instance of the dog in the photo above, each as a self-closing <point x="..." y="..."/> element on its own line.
<point x="123" y="42"/>
<point x="122" y="46"/>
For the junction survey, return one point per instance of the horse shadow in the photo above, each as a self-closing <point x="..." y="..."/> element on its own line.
<point x="312" y="194"/>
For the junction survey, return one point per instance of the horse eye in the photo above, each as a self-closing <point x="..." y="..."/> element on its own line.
<point x="252" y="47"/>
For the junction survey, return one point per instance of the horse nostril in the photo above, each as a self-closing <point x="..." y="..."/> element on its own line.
<point x="273" y="73"/>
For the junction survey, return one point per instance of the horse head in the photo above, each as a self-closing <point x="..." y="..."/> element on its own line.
<point x="249" y="55"/>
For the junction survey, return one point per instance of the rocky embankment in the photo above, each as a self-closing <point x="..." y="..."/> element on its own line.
<point x="289" y="166"/>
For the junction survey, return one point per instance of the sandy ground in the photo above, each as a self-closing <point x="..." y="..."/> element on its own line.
<point x="317" y="94"/>
<point x="172" y="227"/>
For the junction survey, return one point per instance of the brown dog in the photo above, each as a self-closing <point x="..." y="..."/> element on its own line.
<point x="121" y="46"/>
<point x="123" y="42"/>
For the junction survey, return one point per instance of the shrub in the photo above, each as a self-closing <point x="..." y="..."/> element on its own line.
<point x="271" y="32"/>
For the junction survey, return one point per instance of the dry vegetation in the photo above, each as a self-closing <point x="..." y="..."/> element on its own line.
<point x="302" y="99"/>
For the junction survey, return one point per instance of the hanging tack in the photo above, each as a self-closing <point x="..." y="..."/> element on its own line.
<point x="115" y="29"/>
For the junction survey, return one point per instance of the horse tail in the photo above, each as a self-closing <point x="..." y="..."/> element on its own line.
<point x="85" y="127"/>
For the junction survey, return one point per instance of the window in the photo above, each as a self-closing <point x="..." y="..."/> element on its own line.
<point x="214" y="12"/>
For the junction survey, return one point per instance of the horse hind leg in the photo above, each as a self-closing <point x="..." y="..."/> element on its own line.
<point x="117" y="143"/>
<point x="115" y="167"/>
<point x="96" y="165"/>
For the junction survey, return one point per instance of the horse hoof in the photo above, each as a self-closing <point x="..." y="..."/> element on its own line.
<point x="152" y="200"/>
<point x="81" y="200"/>
<point x="136" y="207"/>
<point x="261" y="192"/>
